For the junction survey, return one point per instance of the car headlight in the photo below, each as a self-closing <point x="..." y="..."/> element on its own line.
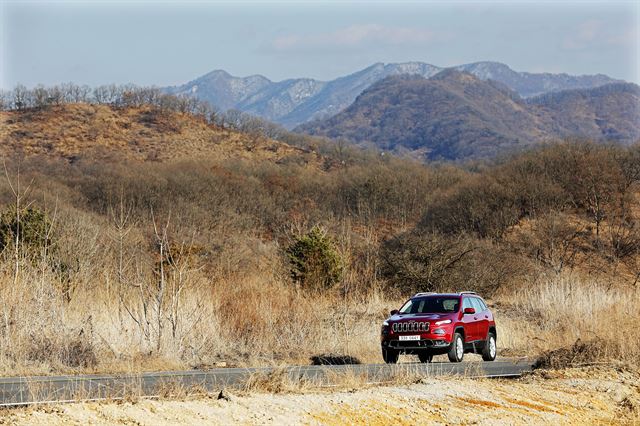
<point x="438" y="331"/>
<point x="448" y="321"/>
<point x="385" y="324"/>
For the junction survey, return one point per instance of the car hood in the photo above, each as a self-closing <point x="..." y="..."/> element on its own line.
<point x="419" y="317"/>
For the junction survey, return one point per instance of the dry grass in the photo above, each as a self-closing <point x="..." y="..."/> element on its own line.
<point x="591" y="321"/>
<point x="242" y="323"/>
<point x="281" y="380"/>
<point x="260" y="320"/>
<point x="277" y="381"/>
<point x="142" y="134"/>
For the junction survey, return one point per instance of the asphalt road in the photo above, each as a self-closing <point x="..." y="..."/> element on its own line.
<point x="40" y="389"/>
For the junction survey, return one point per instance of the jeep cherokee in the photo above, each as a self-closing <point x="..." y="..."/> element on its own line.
<point x="431" y="324"/>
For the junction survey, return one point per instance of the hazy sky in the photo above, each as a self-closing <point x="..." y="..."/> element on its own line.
<point x="165" y="43"/>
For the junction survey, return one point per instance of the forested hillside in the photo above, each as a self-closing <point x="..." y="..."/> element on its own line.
<point x="455" y="115"/>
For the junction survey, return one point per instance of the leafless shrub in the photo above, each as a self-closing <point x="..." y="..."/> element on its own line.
<point x="67" y="350"/>
<point x="424" y="261"/>
<point x="554" y="240"/>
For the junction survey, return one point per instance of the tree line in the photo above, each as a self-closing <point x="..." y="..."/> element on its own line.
<point x="21" y="98"/>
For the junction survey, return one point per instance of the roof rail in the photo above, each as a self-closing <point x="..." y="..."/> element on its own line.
<point x="424" y="293"/>
<point x="468" y="292"/>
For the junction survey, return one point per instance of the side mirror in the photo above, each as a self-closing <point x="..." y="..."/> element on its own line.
<point x="394" y="311"/>
<point x="469" y="311"/>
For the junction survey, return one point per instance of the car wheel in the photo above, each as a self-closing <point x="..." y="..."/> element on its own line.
<point x="390" y="356"/>
<point x="456" y="351"/>
<point x="425" y="357"/>
<point x="490" y="348"/>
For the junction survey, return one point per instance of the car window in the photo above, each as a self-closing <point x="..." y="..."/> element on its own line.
<point x="477" y="304"/>
<point x="451" y="305"/>
<point x="466" y="303"/>
<point x="482" y="304"/>
<point x="431" y="305"/>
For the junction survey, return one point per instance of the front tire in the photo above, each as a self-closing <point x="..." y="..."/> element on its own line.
<point x="425" y="357"/>
<point x="390" y="356"/>
<point x="456" y="352"/>
<point x="490" y="348"/>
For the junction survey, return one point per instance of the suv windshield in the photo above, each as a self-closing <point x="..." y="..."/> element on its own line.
<point x="431" y="305"/>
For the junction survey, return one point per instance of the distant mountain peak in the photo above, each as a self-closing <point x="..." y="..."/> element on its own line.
<point x="455" y="75"/>
<point x="493" y="64"/>
<point x="217" y="73"/>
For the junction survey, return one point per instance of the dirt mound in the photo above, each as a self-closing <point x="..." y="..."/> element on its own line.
<point x="579" y="353"/>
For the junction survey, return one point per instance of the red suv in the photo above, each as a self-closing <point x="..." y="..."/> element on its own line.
<point x="431" y="324"/>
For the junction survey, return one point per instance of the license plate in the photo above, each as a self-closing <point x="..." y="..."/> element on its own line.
<point x="410" y="337"/>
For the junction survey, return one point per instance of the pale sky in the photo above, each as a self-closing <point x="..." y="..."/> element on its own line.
<point x="167" y="43"/>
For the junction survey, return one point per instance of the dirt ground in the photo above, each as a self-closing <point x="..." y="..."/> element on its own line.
<point x="574" y="397"/>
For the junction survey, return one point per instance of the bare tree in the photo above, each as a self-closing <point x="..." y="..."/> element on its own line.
<point x="424" y="261"/>
<point x="101" y="95"/>
<point x="5" y="102"/>
<point x="19" y="196"/>
<point x="56" y="96"/>
<point x="21" y="97"/>
<point x="554" y="241"/>
<point x="162" y="243"/>
<point x="40" y="97"/>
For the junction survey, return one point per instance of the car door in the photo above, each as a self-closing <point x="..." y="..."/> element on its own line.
<point x="481" y="317"/>
<point x="468" y="322"/>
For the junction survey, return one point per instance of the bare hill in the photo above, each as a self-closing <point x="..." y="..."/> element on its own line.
<point x="77" y="131"/>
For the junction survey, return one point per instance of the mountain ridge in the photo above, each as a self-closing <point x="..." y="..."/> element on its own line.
<point x="455" y="115"/>
<point x="294" y="101"/>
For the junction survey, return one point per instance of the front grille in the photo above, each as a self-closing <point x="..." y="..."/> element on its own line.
<point x="410" y="326"/>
